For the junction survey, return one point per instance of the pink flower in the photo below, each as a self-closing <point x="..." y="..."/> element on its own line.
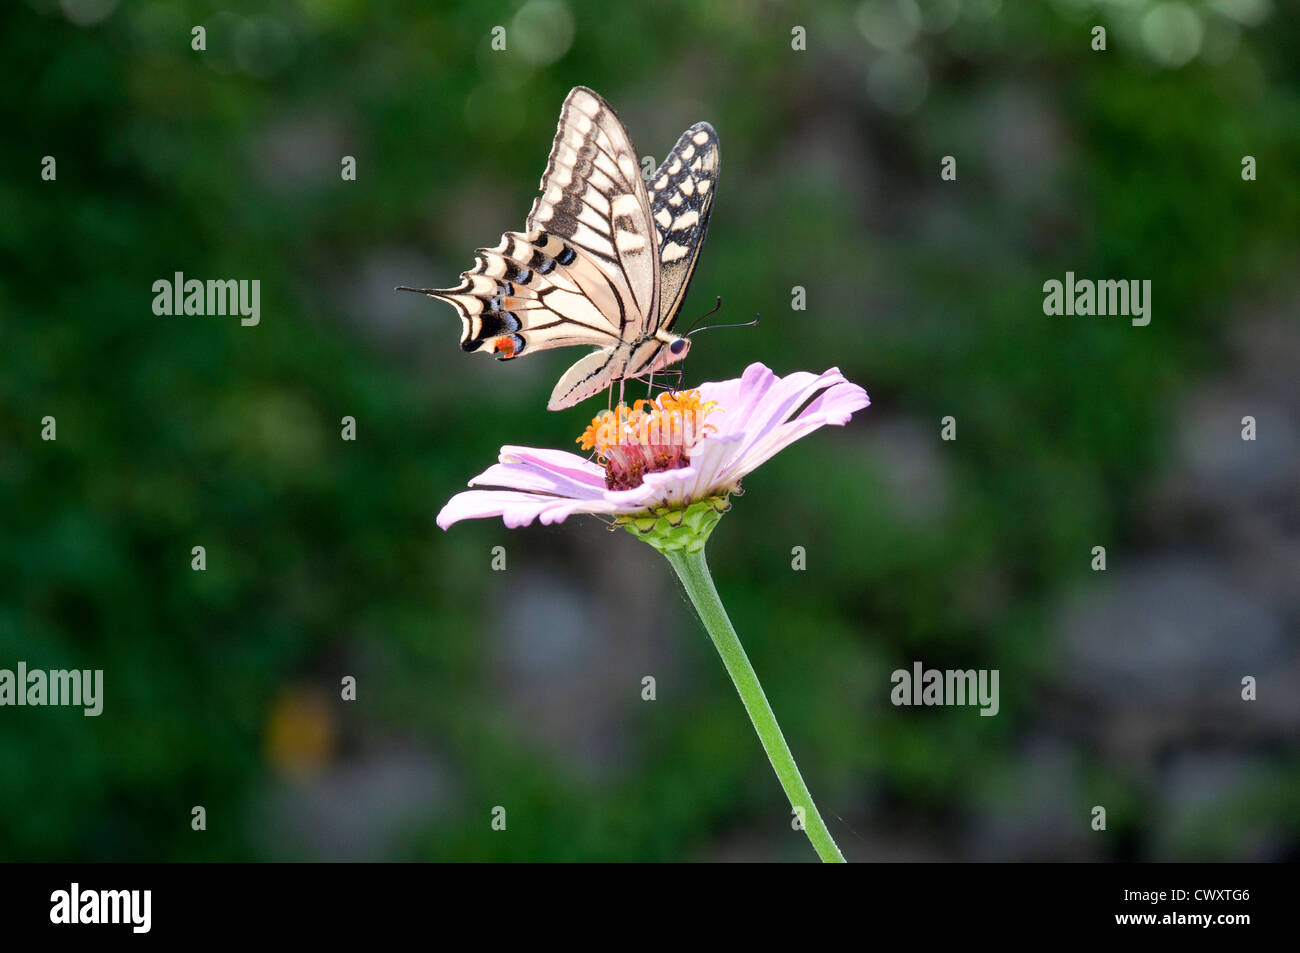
<point x="683" y="449"/>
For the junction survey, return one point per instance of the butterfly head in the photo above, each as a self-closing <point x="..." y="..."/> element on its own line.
<point x="671" y="348"/>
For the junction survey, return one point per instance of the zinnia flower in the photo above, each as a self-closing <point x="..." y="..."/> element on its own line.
<point x="662" y="460"/>
<point x="664" y="469"/>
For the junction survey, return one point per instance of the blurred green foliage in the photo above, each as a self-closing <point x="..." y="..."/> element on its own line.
<point x="323" y="557"/>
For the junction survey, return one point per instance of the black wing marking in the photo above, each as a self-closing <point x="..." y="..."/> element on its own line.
<point x="594" y="197"/>
<point x="530" y="293"/>
<point x="681" y="199"/>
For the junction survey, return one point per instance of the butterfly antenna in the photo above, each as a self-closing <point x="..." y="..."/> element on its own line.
<point x="422" y="291"/>
<point x="716" y="308"/>
<point x="713" y="327"/>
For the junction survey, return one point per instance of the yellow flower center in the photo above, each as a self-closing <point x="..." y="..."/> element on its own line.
<point x="649" y="436"/>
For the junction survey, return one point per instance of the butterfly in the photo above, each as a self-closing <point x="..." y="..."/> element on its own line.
<point x="606" y="259"/>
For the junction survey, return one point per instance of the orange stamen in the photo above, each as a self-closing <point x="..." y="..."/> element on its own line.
<point x="671" y="420"/>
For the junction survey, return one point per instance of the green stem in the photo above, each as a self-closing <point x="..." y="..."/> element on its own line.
<point x="693" y="571"/>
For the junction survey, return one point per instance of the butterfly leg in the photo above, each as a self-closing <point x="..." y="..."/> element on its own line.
<point x="609" y="408"/>
<point x="676" y="385"/>
<point x="674" y="374"/>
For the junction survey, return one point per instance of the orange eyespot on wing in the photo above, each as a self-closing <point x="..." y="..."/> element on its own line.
<point x="504" y="346"/>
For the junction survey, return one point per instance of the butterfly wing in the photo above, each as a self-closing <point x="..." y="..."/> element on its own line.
<point x="589" y="269"/>
<point x="681" y="198"/>
<point x="531" y="292"/>
<point x="593" y="197"/>
<point x="585" y="272"/>
<point x="589" y="376"/>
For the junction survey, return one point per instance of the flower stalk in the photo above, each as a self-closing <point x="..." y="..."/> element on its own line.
<point x="693" y="570"/>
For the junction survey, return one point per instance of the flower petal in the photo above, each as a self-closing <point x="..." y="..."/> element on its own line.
<point x="757" y="416"/>
<point x="785" y="396"/>
<point x="839" y="402"/>
<point x="711" y="459"/>
<point x="517" y="508"/>
<point x="759" y="406"/>
<point x="737" y="397"/>
<point x="833" y="407"/>
<point x="575" y="467"/>
<point x="525" y="476"/>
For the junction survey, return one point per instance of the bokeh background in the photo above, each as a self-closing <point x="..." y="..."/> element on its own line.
<point x="522" y="688"/>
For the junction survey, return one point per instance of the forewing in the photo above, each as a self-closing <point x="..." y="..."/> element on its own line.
<point x="681" y="198"/>
<point x="593" y="196"/>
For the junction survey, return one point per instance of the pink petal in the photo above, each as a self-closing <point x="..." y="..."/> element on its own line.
<point x="727" y="394"/>
<point x="784" y="397"/>
<point x="839" y="403"/>
<point x="834" y="407"/>
<point x="711" y="459"/>
<point x="737" y="397"/>
<point x="522" y="476"/>
<point x="673" y="487"/>
<point x="753" y="423"/>
<point x="759" y="406"/>
<point x="577" y="468"/>
<point x="517" y="508"/>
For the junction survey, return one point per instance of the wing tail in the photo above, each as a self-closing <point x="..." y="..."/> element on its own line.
<point x="527" y="293"/>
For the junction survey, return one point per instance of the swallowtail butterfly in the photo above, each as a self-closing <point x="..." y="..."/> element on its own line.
<point x="605" y="261"/>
